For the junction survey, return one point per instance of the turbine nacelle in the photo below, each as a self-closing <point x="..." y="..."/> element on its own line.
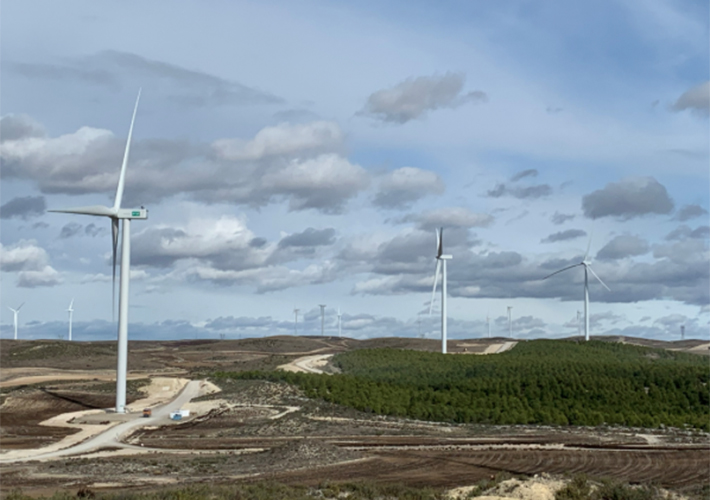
<point x="103" y="211"/>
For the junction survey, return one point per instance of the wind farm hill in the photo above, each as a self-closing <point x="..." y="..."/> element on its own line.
<point x="260" y="426"/>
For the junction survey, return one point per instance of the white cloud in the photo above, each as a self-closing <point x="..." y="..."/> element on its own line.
<point x="31" y="263"/>
<point x="283" y="139"/>
<point x="404" y="186"/>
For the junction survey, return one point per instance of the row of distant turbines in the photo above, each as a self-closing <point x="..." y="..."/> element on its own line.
<point x="16" y="314"/>
<point x="322" y="321"/>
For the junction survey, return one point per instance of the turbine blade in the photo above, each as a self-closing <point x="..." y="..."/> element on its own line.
<point x="433" y="290"/>
<point x="114" y="234"/>
<point x="561" y="270"/>
<point x="440" y="242"/>
<point x="20" y="306"/>
<point x="97" y="210"/>
<point x="10" y="308"/>
<point x="122" y="176"/>
<point x="597" y="277"/>
<point x="589" y="245"/>
<point x="71" y="304"/>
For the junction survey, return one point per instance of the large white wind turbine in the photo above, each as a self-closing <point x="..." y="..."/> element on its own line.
<point x="586" y="263"/>
<point x="71" y="314"/>
<point x="440" y="266"/>
<point x="116" y="214"/>
<point x="15" y="314"/>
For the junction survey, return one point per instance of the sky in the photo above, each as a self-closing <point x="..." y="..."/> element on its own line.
<point x="298" y="154"/>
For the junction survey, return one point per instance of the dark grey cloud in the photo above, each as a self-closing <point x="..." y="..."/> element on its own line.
<point x="628" y="198"/>
<point x="309" y="238"/>
<point x="558" y="218"/>
<point x="14" y="127"/>
<point x="690" y="212"/>
<point x="569" y="234"/>
<point x="531" y="172"/>
<point x="94" y="230"/>
<point x="683" y="232"/>
<point x="677" y="271"/>
<point x="625" y="245"/>
<point x="415" y="97"/>
<point x="258" y="242"/>
<point x="696" y="99"/>
<point x="113" y="69"/>
<point x="231" y="323"/>
<point x="533" y="192"/>
<point x="401" y="188"/>
<point x="24" y="207"/>
<point x="71" y="229"/>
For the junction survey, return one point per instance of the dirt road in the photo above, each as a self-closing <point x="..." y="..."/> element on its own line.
<point x="112" y="436"/>
<point x="307" y="364"/>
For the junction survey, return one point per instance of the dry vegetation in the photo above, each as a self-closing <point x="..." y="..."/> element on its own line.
<point x="265" y="431"/>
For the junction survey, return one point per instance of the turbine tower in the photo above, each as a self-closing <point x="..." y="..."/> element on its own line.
<point x="340" y="329"/>
<point x="440" y="266"/>
<point x="71" y="314"/>
<point x="15" y="314"/>
<point x="586" y="264"/>
<point x="510" y="322"/>
<point x="579" y="323"/>
<point x="295" y="321"/>
<point x="322" y="319"/>
<point x="116" y="214"/>
<point x="488" y="321"/>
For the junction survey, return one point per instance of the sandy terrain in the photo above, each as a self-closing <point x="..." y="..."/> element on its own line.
<point x="307" y="364"/>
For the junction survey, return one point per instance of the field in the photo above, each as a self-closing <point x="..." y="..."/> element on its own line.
<point x="255" y="430"/>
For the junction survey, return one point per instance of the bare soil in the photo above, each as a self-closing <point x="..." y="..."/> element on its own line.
<point x="259" y="430"/>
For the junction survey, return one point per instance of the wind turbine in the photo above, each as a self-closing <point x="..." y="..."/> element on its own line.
<point x="116" y="214"/>
<point x="71" y="313"/>
<point x="15" y="313"/>
<point x="322" y="319"/>
<point x="510" y="322"/>
<point x="295" y="322"/>
<point x="440" y="266"/>
<point x="587" y="269"/>
<point x="340" y="329"/>
<point x="488" y="321"/>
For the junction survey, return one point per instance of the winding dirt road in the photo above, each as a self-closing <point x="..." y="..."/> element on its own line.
<point x="112" y="436"/>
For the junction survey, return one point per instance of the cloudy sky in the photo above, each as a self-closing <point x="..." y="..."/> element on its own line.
<point x="295" y="155"/>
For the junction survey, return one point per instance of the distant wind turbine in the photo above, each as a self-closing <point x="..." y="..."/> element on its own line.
<point x="510" y="322"/>
<point x="295" y="321"/>
<point x="440" y="266"/>
<point x="488" y="321"/>
<point x="340" y="329"/>
<point x="322" y="319"/>
<point x="586" y="263"/>
<point x="15" y="314"/>
<point x="116" y="214"/>
<point x="71" y="313"/>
